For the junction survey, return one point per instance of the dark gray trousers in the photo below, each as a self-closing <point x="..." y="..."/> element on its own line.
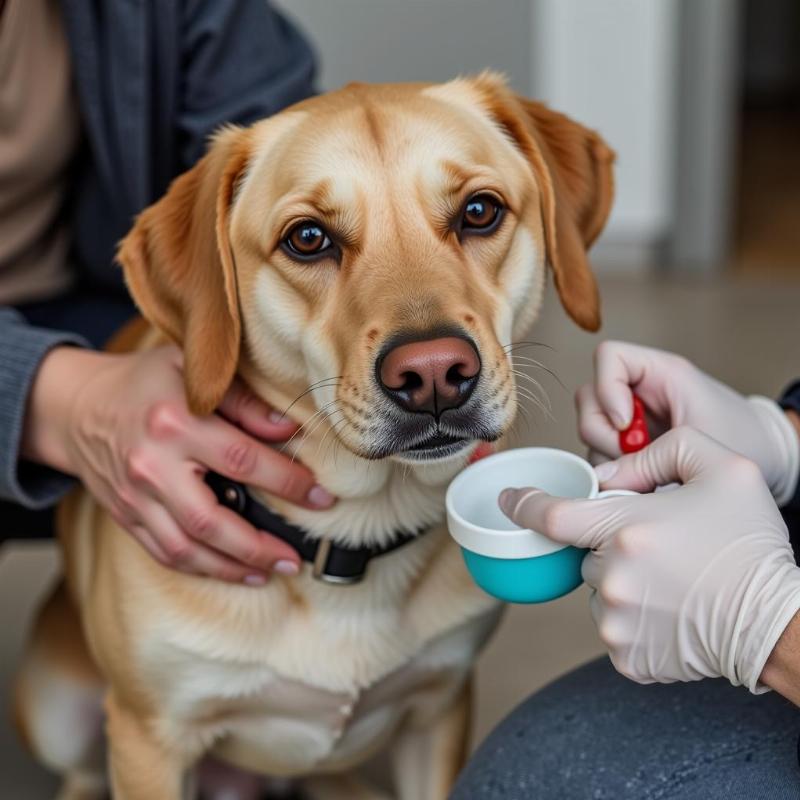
<point x="594" y="734"/>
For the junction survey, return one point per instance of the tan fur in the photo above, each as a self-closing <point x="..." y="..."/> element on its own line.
<point x="573" y="168"/>
<point x="300" y="679"/>
<point x="129" y="337"/>
<point x="195" y="301"/>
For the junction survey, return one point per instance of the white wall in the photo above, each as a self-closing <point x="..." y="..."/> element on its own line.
<point x="612" y="65"/>
<point x="609" y="63"/>
<point x="416" y="40"/>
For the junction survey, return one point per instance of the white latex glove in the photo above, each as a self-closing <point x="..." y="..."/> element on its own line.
<point x="695" y="582"/>
<point x="675" y="392"/>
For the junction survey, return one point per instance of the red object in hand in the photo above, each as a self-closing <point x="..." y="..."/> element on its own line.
<point x="635" y="436"/>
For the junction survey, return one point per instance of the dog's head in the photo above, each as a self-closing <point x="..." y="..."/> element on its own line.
<point x="383" y="245"/>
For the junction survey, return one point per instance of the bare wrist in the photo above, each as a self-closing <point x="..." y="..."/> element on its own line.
<point x="46" y="430"/>
<point x="782" y="670"/>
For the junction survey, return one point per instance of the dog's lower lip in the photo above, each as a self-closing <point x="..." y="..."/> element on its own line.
<point x="435" y="447"/>
<point x="438" y="441"/>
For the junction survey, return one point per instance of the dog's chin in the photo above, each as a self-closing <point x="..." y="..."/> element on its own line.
<point x="438" y="450"/>
<point x="450" y="445"/>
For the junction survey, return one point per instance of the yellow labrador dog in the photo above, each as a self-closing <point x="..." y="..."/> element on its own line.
<point x="383" y="245"/>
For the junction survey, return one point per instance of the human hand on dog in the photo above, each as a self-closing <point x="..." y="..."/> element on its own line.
<point x="121" y="424"/>
<point x="690" y="583"/>
<point x="675" y="392"/>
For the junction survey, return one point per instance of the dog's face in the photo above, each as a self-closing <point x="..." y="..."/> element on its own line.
<point x="383" y="245"/>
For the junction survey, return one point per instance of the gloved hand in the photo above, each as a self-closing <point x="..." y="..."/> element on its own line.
<point x="675" y="392"/>
<point x="695" y="582"/>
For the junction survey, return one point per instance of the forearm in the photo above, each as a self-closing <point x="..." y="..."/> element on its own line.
<point x="782" y="670"/>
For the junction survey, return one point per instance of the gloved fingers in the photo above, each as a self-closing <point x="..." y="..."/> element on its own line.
<point x="595" y="458"/>
<point x="618" y="366"/>
<point x="680" y="455"/>
<point x="615" y="644"/>
<point x="582" y="523"/>
<point x="621" y="368"/>
<point x="594" y="426"/>
<point x="592" y="569"/>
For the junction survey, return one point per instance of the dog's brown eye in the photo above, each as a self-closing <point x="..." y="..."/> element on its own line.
<point x="307" y="239"/>
<point x="481" y="213"/>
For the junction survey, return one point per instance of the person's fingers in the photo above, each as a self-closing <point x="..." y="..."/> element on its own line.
<point x="592" y="568"/>
<point x="595" y="458"/>
<point x="149" y="542"/>
<point x="255" y="416"/>
<point x="202" y="519"/>
<point x="594" y="426"/>
<point x="661" y="379"/>
<point x="583" y="523"/>
<point x="212" y="564"/>
<point x="187" y="555"/>
<point x="221" y="447"/>
<point x="680" y="455"/>
<point x="617" y="367"/>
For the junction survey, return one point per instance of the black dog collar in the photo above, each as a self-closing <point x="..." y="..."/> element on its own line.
<point x="333" y="563"/>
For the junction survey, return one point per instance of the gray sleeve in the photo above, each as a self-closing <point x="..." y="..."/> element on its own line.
<point x="22" y="348"/>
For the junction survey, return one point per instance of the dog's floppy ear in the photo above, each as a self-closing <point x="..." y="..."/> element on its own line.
<point x="179" y="268"/>
<point x="573" y="168"/>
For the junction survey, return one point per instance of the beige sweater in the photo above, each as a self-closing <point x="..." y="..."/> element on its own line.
<point x="39" y="134"/>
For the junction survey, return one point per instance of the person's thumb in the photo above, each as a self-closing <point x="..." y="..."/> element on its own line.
<point x="680" y="455"/>
<point x="583" y="523"/>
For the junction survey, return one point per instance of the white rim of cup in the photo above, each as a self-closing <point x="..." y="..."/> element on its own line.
<point x="509" y="544"/>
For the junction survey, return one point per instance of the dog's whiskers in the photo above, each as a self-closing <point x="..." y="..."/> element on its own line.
<point x="304" y="426"/>
<point x="526" y="416"/>
<point x="536" y="386"/>
<point x="530" y="396"/>
<point x="537" y="404"/>
<point x="335" y="442"/>
<point x="322" y="419"/>
<point x="311" y="388"/>
<point x="521" y="345"/>
<point x="334" y="425"/>
<point x="538" y="365"/>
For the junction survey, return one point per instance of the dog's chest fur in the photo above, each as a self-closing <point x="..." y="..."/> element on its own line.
<point x="300" y="676"/>
<point x="268" y="721"/>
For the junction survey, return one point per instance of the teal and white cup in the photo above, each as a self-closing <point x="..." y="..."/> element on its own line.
<point x="508" y="562"/>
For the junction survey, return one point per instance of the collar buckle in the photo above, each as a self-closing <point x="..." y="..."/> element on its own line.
<point x="331" y="563"/>
<point x="321" y="563"/>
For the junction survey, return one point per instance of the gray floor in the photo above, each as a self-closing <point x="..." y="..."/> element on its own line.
<point x="746" y="333"/>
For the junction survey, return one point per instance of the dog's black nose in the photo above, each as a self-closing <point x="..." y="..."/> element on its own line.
<point x="432" y="375"/>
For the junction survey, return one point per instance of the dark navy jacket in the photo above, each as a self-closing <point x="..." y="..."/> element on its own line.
<point x="154" y="79"/>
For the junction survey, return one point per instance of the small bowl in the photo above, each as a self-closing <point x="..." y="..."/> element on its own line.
<point x="508" y="562"/>
<point x="527" y="580"/>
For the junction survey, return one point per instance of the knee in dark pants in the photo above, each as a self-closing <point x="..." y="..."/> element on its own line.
<point x="594" y="734"/>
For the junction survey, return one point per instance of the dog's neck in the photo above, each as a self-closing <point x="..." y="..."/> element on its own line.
<point x="376" y="498"/>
